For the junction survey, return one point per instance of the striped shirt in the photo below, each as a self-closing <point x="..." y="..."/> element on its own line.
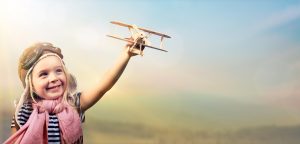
<point x="53" y="126"/>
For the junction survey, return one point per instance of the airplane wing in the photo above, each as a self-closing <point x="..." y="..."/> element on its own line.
<point x="127" y="40"/>
<point x="121" y="24"/>
<point x="153" y="32"/>
<point x="143" y="29"/>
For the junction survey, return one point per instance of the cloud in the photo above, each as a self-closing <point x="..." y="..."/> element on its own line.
<point x="277" y="79"/>
<point x="280" y="18"/>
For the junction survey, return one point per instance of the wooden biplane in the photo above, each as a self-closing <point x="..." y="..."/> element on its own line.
<point x="139" y="38"/>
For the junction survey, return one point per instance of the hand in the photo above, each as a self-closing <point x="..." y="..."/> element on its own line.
<point x="134" y="49"/>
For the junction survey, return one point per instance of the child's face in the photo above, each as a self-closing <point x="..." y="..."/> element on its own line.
<point x="48" y="78"/>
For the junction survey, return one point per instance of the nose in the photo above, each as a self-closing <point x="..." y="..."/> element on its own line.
<point x="53" y="77"/>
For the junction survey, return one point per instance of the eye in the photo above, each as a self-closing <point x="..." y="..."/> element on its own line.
<point x="43" y="74"/>
<point x="59" y="70"/>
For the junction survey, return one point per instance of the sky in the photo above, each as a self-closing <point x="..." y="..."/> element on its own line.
<point x="226" y="60"/>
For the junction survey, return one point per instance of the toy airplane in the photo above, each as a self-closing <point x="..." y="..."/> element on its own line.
<point x="139" y="39"/>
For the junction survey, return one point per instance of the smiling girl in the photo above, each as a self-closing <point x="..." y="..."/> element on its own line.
<point x="50" y="110"/>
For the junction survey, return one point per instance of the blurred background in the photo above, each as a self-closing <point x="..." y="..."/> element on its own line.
<point x="231" y="76"/>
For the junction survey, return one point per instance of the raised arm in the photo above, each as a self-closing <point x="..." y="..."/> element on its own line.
<point x="90" y="97"/>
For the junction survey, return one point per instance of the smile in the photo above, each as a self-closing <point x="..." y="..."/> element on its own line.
<point x="53" y="87"/>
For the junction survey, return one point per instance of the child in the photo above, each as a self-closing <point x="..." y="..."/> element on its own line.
<point x="50" y="110"/>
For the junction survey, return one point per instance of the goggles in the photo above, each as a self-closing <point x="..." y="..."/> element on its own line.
<point x="41" y="48"/>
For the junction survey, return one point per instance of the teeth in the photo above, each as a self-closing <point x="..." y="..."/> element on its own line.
<point x="53" y="87"/>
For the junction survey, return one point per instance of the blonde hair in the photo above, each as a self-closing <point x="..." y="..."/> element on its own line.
<point x="28" y="93"/>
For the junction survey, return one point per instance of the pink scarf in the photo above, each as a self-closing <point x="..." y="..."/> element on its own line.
<point x="35" y="129"/>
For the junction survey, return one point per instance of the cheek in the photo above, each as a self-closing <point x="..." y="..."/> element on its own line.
<point x="64" y="80"/>
<point x="38" y="86"/>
